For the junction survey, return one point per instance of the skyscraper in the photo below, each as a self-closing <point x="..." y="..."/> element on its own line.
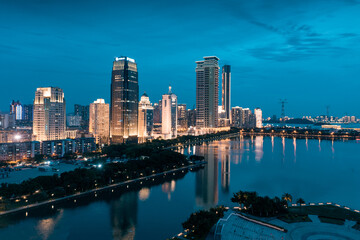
<point x="226" y="90"/>
<point x="28" y="112"/>
<point x="146" y="118"/>
<point x="169" y="115"/>
<point x="83" y="112"/>
<point x="49" y="114"/>
<point x="258" y="117"/>
<point x="207" y="84"/>
<point x="124" y="100"/>
<point x="16" y="108"/>
<point x="182" y="117"/>
<point x="99" y="121"/>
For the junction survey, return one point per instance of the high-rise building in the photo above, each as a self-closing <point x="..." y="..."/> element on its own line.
<point x="16" y="108"/>
<point x="28" y="112"/>
<point x="226" y="90"/>
<point x="169" y="115"/>
<point x="157" y="113"/>
<point x="146" y="118"/>
<point x="157" y="118"/>
<point x="258" y="117"/>
<point x="99" y="123"/>
<point x="124" y="100"/>
<point x="191" y="117"/>
<point x="73" y="120"/>
<point x="83" y="112"/>
<point x="49" y="114"/>
<point x="242" y="118"/>
<point x="182" y="117"/>
<point x="236" y="117"/>
<point x="207" y="90"/>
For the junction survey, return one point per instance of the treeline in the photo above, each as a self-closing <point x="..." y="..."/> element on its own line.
<point x="199" y="223"/>
<point x="47" y="187"/>
<point x="256" y="205"/>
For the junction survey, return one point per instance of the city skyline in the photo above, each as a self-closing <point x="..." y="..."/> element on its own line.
<point x="277" y="57"/>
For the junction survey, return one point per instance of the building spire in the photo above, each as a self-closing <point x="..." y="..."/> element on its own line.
<point x="169" y="89"/>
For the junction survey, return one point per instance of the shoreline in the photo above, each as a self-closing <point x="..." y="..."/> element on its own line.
<point x="34" y="205"/>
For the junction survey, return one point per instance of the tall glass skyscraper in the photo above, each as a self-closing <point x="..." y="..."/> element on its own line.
<point x="226" y="90"/>
<point x="124" y="100"/>
<point x="207" y="90"/>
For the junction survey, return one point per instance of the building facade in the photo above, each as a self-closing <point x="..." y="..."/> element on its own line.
<point x="49" y="114"/>
<point x="191" y="118"/>
<point x="124" y="100"/>
<point x="207" y="90"/>
<point x="169" y="115"/>
<point x="146" y="118"/>
<point x="226" y="90"/>
<point x="99" y="121"/>
<point x="242" y="118"/>
<point x="16" y="108"/>
<point x="83" y="112"/>
<point x="182" y="118"/>
<point x="258" y="118"/>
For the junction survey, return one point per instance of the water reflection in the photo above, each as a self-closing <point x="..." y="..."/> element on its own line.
<point x="144" y="194"/>
<point x="206" y="189"/>
<point x="294" y="143"/>
<point x="225" y="166"/>
<point x="283" y="148"/>
<point x="123" y="213"/>
<point x="46" y="226"/>
<point x="259" y="145"/>
<point x="168" y="188"/>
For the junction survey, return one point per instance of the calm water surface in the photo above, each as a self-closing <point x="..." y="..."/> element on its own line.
<point x="317" y="171"/>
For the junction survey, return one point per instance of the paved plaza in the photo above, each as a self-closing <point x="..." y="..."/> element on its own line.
<point x="239" y="227"/>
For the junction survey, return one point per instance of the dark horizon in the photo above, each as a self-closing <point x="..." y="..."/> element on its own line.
<point x="304" y="51"/>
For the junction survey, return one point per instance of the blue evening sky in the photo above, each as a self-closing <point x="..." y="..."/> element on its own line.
<point x="306" y="51"/>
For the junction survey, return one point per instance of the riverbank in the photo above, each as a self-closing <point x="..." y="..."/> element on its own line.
<point x="94" y="191"/>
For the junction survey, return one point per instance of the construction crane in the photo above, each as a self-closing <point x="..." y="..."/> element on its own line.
<point x="283" y="102"/>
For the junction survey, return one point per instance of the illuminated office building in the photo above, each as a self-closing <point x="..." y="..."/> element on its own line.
<point x="182" y="117"/>
<point x="99" y="121"/>
<point x="16" y="108"/>
<point x="146" y="118"/>
<point x="207" y="84"/>
<point x="258" y="117"/>
<point x="124" y="100"/>
<point x="169" y="115"/>
<point x="49" y="114"/>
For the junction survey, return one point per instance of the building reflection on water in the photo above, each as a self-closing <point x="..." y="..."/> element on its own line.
<point x="168" y="188"/>
<point x="259" y="148"/>
<point x="144" y="194"/>
<point x="46" y="226"/>
<point x="123" y="213"/>
<point x="225" y="164"/>
<point x="206" y="189"/>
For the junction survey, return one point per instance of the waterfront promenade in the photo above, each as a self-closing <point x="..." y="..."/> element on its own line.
<point x="94" y="191"/>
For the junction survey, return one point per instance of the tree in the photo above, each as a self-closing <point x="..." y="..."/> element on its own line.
<point x="287" y="197"/>
<point x="300" y="201"/>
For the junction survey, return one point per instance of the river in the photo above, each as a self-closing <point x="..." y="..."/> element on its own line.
<point x="317" y="171"/>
